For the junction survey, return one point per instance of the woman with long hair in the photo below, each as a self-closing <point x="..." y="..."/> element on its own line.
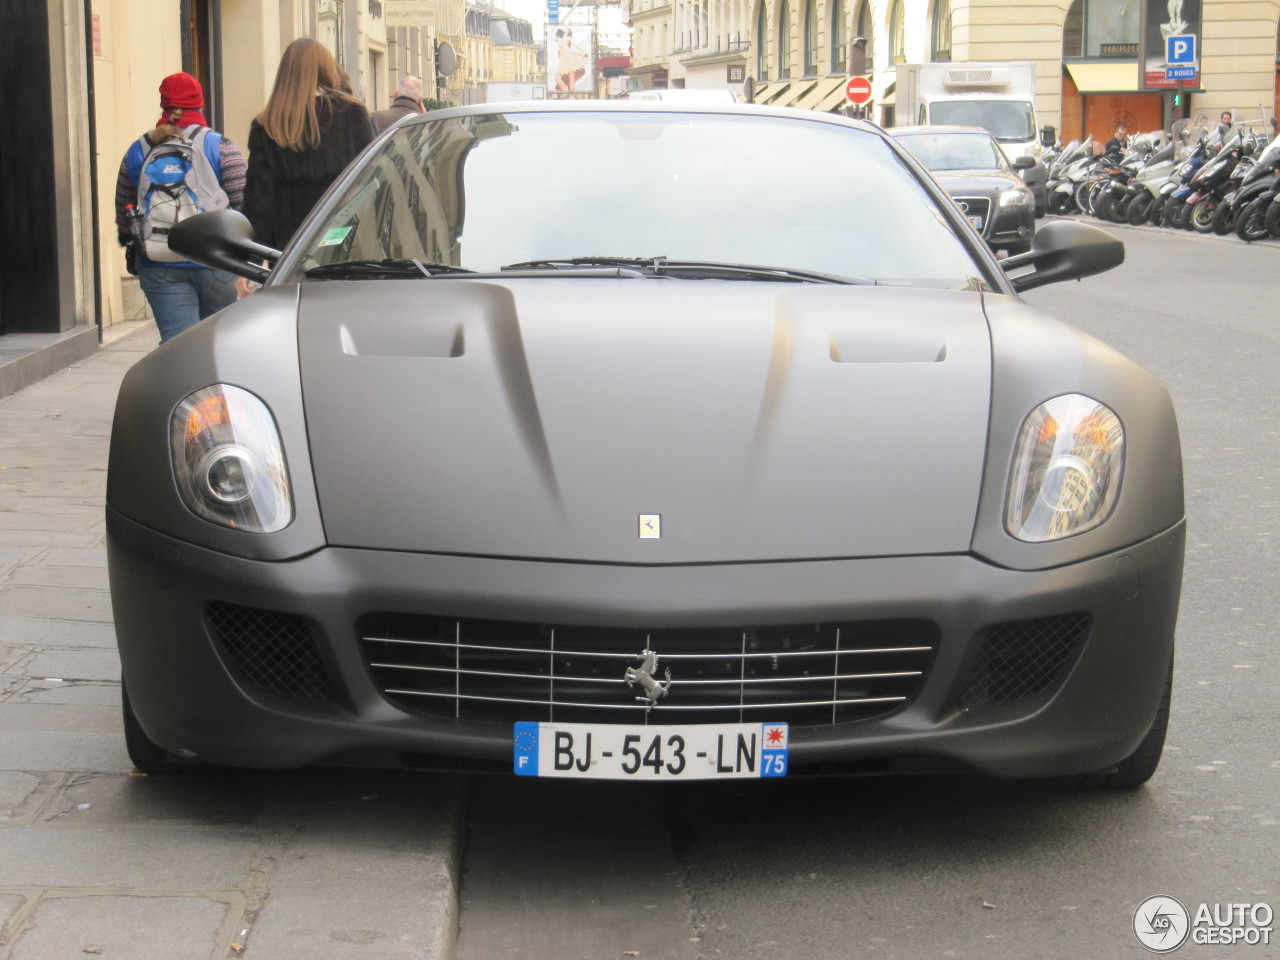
<point x="308" y="132"/>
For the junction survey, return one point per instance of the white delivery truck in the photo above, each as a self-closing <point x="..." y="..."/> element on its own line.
<point x="999" y="96"/>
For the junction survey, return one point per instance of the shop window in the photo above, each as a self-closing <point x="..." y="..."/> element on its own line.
<point x="940" y="35"/>
<point x="839" y="38"/>
<point x="867" y="31"/>
<point x="1073" y="31"/>
<point x="897" y="37"/>
<point x="762" y="44"/>
<point x="784" y="41"/>
<point x="811" y="28"/>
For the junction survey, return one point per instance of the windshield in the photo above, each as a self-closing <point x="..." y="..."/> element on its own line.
<point x="1009" y="121"/>
<point x="955" y="151"/>
<point x="484" y="192"/>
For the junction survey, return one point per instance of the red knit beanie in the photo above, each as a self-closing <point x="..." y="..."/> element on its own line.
<point x="181" y="91"/>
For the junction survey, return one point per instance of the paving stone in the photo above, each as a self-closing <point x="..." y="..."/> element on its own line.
<point x="73" y="557"/>
<point x="16" y="789"/>
<point x="56" y="633"/>
<point x="10" y="904"/>
<point x="71" y="738"/>
<point x="145" y="857"/>
<point x="214" y="799"/>
<point x="102" y="694"/>
<point x="45" y="575"/>
<point x="126" y="928"/>
<point x="56" y="603"/>
<point x="93" y="664"/>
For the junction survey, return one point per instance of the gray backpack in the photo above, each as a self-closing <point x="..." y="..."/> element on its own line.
<point x="176" y="181"/>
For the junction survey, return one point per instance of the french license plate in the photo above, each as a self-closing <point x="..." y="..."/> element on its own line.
<point x="977" y="222"/>
<point x="620" y="752"/>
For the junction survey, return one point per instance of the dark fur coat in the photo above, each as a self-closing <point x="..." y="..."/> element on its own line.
<point x="283" y="185"/>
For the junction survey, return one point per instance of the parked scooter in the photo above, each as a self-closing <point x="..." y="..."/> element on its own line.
<point x="1066" y="172"/>
<point x="1210" y="186"/>
<point x="1258" y="188"/>
<point x="1176" y="190"/>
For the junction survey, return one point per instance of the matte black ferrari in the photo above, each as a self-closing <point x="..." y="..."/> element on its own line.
<point x="644" y="441"/>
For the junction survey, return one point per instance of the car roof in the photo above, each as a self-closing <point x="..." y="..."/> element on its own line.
<point x="938" y="128"/>
<point x="640" y="106"/>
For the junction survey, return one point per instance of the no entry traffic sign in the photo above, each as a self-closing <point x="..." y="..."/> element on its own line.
<point x="858" y="90"/>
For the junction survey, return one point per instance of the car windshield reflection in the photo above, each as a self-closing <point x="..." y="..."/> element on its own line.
<point x="482" y="192"/>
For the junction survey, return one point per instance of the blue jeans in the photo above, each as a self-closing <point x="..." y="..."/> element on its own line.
<point x="180" y="297"/>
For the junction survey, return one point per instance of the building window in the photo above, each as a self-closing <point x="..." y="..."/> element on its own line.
<point x="762" y="44"/>
<point x="940" y="39"/>
<point x="784" y="41"/>
<point x="811" y="28"/>
<point x="1073" y="31"/>
<point x="897" y="39"/>
<point x="867" y="31"/>
<point x="839" y="38"/>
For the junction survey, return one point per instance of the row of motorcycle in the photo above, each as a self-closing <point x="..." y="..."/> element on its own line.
<point x="1191" y="178"/>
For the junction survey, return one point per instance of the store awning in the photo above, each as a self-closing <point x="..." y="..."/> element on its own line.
<point x="771" y="93"/>
<point x="834" y="98"/>
<point x="814" y="97"/>
<point x="1116" y="77"/>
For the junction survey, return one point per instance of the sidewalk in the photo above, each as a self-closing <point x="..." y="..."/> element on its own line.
<point x="96" y="860"/>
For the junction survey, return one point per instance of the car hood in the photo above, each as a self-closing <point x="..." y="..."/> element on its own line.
<point x="542" y="418"/>
<point x="981" y="184"/>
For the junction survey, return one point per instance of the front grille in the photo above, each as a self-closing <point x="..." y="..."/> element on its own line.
<point x="506" y="671"/>
<point x="976" y="207"/>
<point x="273" y="650"/>
<point x="1024" y="658"/>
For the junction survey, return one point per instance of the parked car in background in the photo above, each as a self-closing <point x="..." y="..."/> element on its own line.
<point x="733" y="453"/>
<point x="969" y="163"/>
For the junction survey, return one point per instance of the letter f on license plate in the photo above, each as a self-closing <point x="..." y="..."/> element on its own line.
<point x="622" y="752"/>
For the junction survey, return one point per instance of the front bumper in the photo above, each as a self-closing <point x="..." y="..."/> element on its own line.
<point x="192" y="698"/>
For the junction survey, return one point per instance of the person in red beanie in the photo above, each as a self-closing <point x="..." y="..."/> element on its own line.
<point x="180" y="293"/>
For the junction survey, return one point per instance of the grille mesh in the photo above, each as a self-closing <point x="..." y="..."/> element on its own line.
<point x="273" y="650"/>
<point x="1023" y="658"/>
<point x="506" y="671"/>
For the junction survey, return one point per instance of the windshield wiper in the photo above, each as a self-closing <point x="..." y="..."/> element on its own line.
<point x="382" y="269"/>
<point x="689" y="269"/>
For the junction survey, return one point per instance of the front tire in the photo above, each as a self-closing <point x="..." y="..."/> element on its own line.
<point x="1200" y="219"/>
<point x="1224" y="218"/>
<point x="1272" y="220"/>
<point x="1251" y="225"/>
<point x="1138" y="209"/>
<point x="1137" y="768"/>
<point x="147" y="756"/>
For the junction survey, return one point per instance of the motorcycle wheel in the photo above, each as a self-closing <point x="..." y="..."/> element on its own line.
<point x="1273" y="219"/>
<point x="1201" y="217"/>
<point x="1060" y="203"/>
<point x="1102" y="203"/>
<point x="1184" y="215"/>
<point x="1138" y="209"/>
<point x="1081" y="196"/>
<point x="1171" y="216"/>
<point x="1251" y="225"/>
<point x="1224" y="218"/>
<point x="1157" y="210"/>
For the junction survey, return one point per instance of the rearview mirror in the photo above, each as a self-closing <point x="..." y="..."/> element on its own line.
<point x="1064" y="250"/>
<point x="1024" y="163"/>
<point x="223" y="240"/>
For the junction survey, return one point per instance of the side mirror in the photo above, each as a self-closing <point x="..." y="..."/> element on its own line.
<point x="1064" y="250"/>
<point x="1024" y="163"/>
<point x="223" y="240"/>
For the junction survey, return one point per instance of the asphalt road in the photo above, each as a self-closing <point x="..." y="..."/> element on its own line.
<point x="961" y="868"/>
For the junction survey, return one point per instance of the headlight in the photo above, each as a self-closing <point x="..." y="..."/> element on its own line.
<point x="1066" y="469"/>
<point x="228" y="461"/>
<point x="1015" y="198"/>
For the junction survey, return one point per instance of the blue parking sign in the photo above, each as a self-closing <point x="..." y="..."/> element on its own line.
<point x="1180" y="49"/>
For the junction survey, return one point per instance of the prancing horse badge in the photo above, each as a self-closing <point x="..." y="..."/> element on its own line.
<point x="650" y="526"/>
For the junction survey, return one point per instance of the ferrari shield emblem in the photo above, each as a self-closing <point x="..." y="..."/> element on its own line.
<point x="650" y="526"/>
